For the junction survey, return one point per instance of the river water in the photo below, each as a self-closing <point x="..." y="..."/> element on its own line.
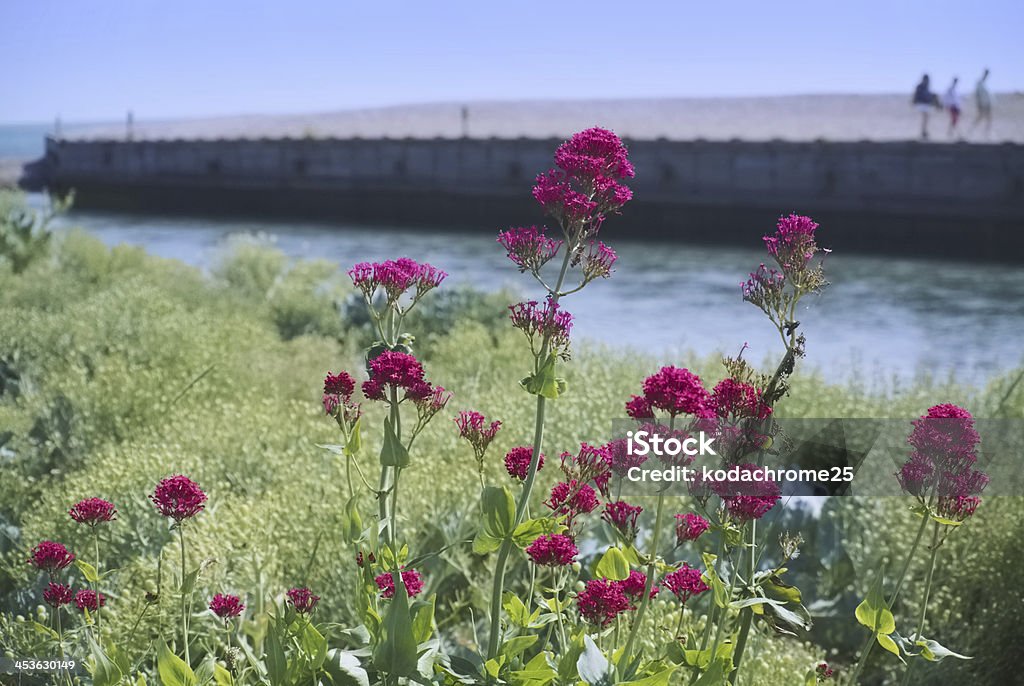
<point x="881" y="317"/>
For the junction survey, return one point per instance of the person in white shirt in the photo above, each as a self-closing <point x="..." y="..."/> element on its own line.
<point x="983" y="101"/>
<point x="951" y="101"/>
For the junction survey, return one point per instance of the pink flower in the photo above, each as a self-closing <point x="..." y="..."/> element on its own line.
<point x="338" y="389"/>
<point x="748" y="499"/>
<point x="433" y="403"/>
<point x="549" y="322"/>
<point x="226" y="606"/>
<point x="92" y="511"/>
<point x="396" y="277"/>
<point x="410" y="578"/>
<point x="178" y="497"/>
<point x="598" y="261"/>
<point x="554" y="191"/>
<point x="737" y="400"/>
<point x="528" y="247"/>
<point x="474" y="428"/>
<point x="302" y="599"/>
<point x="602" y="601"/>
<point x="822" y="672"/>
<point x="397" y="370"/>
<point x="620" y="461"/>
<point x="56" y="595"/>
<point x="765" y="289"/>
<point x="590" y="465"/>
<point x="49" y="556"/>
<point x="676" y="391"/>
<point x="86" y="599"/>
<point x="623" y="518"/>
<point x="793" y="244"/>
<point x="552" y="550"/>
<point x="689" y="527"/>
<point x="639" y="408"/>
<point x="594" y="153"/>
<point x="685" y="582"/>
<point x="572" y="499"/>
<point x="517" y="462"/>
<point x="633" y="586"/>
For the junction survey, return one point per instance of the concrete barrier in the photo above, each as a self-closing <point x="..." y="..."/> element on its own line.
<point x="957" y="200"/>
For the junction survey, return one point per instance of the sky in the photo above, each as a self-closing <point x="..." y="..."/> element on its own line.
<point x="92" y="60"/>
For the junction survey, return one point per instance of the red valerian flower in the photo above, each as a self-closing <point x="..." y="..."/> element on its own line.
<point x="623" y="517"/>
<point x="410" y="578"/>
<point x="226" y="606"/>
<point x="676" y="391"/>
<point x="748" y="499"/>
<point x="601" y="601"/>
<point x="338" y="389"/>
<point x="738" y="400"/>
<point x="397" y="370"/>
<point x="178" y="497"/>
<point x="517" y="462"/>
<point x="793" y="244"/>
<point x="49" y="556"/>
<point x="548" y="321"/>
<point x="552" y="550"/>
<point x="56" y="594"/>
<point x="685" y="582"/>
<point x="93" y="511"/>
<point x="474" y="428"/>
<point x="86" y="599"/>
<point x="570" y="498"/>
<point x="396" y="277"/>
<point x="633" y="586"/>
<point x="303" y="600"/>
<point x="822" y="672"/>
<point x="689" y="527"/>
<point x="528" y="247"/>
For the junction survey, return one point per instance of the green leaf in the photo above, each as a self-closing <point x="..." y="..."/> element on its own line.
<point x="537" y="672"/>
<point x="45" y="630"/>
<point x="396" y="654"/>
<point x="720" y="593"/>
<point x="517" y="613"/>
<point x="355" y="441"/>
<point x="277" y="661"/>
<point x="485" y="543"/>
<point x="515" y="646"/>
<point x="103" y="670"/>
<point x="946" y="521"/>
<point x="345" y="669"/>
<point x="567" y="670"/>
<point x="592" y="666"/>
<point x="874" y="612"/>
<point x="934" y="651"/>
<point x="352" y="522"/>
<point x="613" y="565"/>
<point x="189" y="582"/>
<point x="544" y="383"/>
<point x="423" y="621"/>
<point x="886" y="642"/>
<point x="529" y="531"/>
<point x="221" y="676"/>
<point x="314" y="644"/>
<point x="172" y="669"/>
<point x="776" y="588"/>
<point x="88" y="571"/>
<point x="499" y="511"/>
<point x="393" y="453"/>
<point x="659" y="679"/>
<point x="713" y="676"/>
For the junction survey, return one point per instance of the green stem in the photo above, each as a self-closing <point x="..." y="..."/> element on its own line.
<point x="712" y="612"/>
<point x="60" y="640"/>
<point x="748" y="613"/>
<point x="96" y="584"/>
<point x="645" y="600"/>
<point x="869" y="642"/>
<point x="493" y="638"/>
<point x="184" y="596"/>
<point x="924" y="603"/>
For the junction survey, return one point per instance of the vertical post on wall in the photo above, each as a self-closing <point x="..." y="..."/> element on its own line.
<point x="129" y="126"/>
<point x="465" y="121"/>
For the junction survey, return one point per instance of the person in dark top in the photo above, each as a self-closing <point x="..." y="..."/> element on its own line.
<point x="924" y="100"/>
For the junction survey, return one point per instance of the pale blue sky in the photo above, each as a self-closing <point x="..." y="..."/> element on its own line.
<point x="94" y="59"/>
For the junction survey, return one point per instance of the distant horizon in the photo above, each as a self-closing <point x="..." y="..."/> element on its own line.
<point x="140" y="116"/>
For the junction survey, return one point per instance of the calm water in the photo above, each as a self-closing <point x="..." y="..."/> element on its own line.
<point x="881" y="316"/>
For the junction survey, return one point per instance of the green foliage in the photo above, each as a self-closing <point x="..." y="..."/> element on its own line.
<point x="25" y="236"/>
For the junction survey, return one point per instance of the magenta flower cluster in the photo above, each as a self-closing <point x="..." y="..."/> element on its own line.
<point x="765" y="288"/>
<point x="302" y="599"/>
<point x="622" y="517"/>
<point x="547" y="321"/>
<point x="474" y="428"/>
<point x="410" y="579"/>
<point x="734" y="399"/>
<point x="87" y="599"/>
<point x="793" y="243"/>
<point x="517" y="462"/>
<point x="673" y="390"/>
<point x="338" y="389"/>
<point x="620" y="460"/>
<point x="598" y="261"/>
<point x="395" y="277"/>
<point x="601" y="601"/>
<point x="529" y="248"/>
<point x="93" y="511"/>
<point x="178" y="497"/>
<point x="945" y="445"/>
<point x="50" y="556"/>
<point x="226" y="606"/>
<point x="633" y="586"/>
<point x="399" y="371"/>
<point x="690" y="527"/>
<point x="552" y="550"/>
<point x="747" y="498"/>
<point x="57" y="595"/>
<point x="685" y="583"/>
<point x="571" y="499"/>
<point x="592" y="464"/>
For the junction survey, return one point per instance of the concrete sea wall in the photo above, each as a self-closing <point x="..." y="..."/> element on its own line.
<point x="956" y="200"/>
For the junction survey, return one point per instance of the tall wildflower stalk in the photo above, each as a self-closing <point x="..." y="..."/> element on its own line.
<point x="582" y="189"/>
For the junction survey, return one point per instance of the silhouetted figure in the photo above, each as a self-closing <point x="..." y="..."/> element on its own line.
<point x="129" y="126"/>
<point x="57" y="132"/>
<point x="465" y="122"/>
<point x="951" y="101"/>
<point x="924" y="100"/>
<point x="983" y="102"/>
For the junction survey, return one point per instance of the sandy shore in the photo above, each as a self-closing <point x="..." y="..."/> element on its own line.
<point x="798" y="118"/>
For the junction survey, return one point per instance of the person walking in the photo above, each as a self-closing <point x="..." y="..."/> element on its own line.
<point x="951" y="101"/>
<point x="983" y="103"/>
<point x="924" y="100"/>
